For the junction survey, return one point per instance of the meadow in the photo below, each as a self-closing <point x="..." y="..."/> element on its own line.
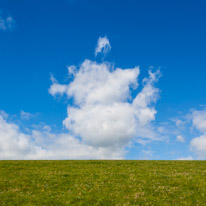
<point x="102" y="182"/>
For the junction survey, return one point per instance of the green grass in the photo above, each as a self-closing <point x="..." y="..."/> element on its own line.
<point x="102" y="183"/>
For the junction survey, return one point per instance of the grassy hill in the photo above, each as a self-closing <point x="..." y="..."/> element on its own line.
<point x="102" y="183"/>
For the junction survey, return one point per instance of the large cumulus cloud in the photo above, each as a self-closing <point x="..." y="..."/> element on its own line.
<point x="109" y="112"/>
<point x="105" y="114"/>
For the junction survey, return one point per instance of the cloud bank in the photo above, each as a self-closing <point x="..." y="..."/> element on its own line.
<point x="15" y="144"/>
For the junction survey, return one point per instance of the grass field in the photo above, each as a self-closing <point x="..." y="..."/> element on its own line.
<point x="102" y="183"/>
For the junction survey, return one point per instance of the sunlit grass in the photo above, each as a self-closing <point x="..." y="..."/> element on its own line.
<point x="102" y="183"/>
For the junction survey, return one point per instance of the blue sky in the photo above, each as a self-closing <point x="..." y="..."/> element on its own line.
<point x="40" y="39"/>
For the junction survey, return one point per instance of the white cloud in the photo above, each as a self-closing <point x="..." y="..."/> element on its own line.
<point x="149" y="94"/>
<point x="6" y="22"/>
<point x="56" y="88"/>
<point x="96" y="84"/>
<point x="47" y="128"/>
<point x="178" y="122"/>
<point x="186" y="158"/>
<point x="26" y="115"/>
<point x="105" y="114"/>
<point x="179" y="138"/>
<point x="103" y="46"/>
<point x="102" y="125"/>
<point x="15" y="144"/>
<point x="65" y="146"/>
<point x="199" y="120"/>
<point x="198" y="144"/>
<point x="72" y="69"/>
<point x="4" y="114"/>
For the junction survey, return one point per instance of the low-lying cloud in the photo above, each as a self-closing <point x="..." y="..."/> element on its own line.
<point x="198" y="144"/>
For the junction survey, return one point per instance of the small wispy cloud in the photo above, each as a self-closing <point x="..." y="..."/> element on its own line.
<point x="103" y="46"/>
<point x="6" y="21"/>
<point x="147" y="154"/>
<point x="179" y="138"/>
<point x="26" y="115"/>
<point x="4" y="114"/>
